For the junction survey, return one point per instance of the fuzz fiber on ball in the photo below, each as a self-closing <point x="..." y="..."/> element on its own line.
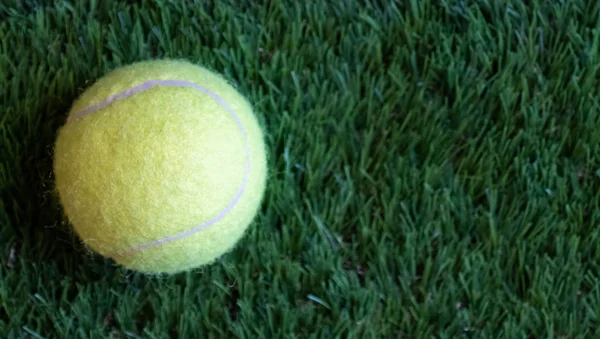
<point x="161" y="166"/>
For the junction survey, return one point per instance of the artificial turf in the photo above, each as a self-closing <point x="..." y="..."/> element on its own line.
<point x="434" y="169"/>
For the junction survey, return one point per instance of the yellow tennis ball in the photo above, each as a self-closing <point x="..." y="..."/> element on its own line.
<point x="161" y="166"/>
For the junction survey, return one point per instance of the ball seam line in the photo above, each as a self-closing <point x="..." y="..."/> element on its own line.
<point x="176" y="83"/>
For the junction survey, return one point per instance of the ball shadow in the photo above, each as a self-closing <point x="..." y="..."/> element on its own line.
<point x="38" y="232"/>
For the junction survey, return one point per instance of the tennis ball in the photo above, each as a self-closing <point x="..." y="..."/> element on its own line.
<point x="161" y="166"/>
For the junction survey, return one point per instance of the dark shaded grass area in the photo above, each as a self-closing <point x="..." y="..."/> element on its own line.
<point x="434" y="169"/>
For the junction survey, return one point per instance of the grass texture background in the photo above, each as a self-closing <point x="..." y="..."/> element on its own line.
<point x="435" y="169"/>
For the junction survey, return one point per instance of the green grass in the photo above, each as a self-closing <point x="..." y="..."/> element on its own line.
<point x="434" y="169"/>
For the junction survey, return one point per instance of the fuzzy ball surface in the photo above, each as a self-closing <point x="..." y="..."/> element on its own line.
<point x="161" y="166"/>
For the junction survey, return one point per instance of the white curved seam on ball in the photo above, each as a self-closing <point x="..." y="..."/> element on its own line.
<point x="176" y="83"/>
